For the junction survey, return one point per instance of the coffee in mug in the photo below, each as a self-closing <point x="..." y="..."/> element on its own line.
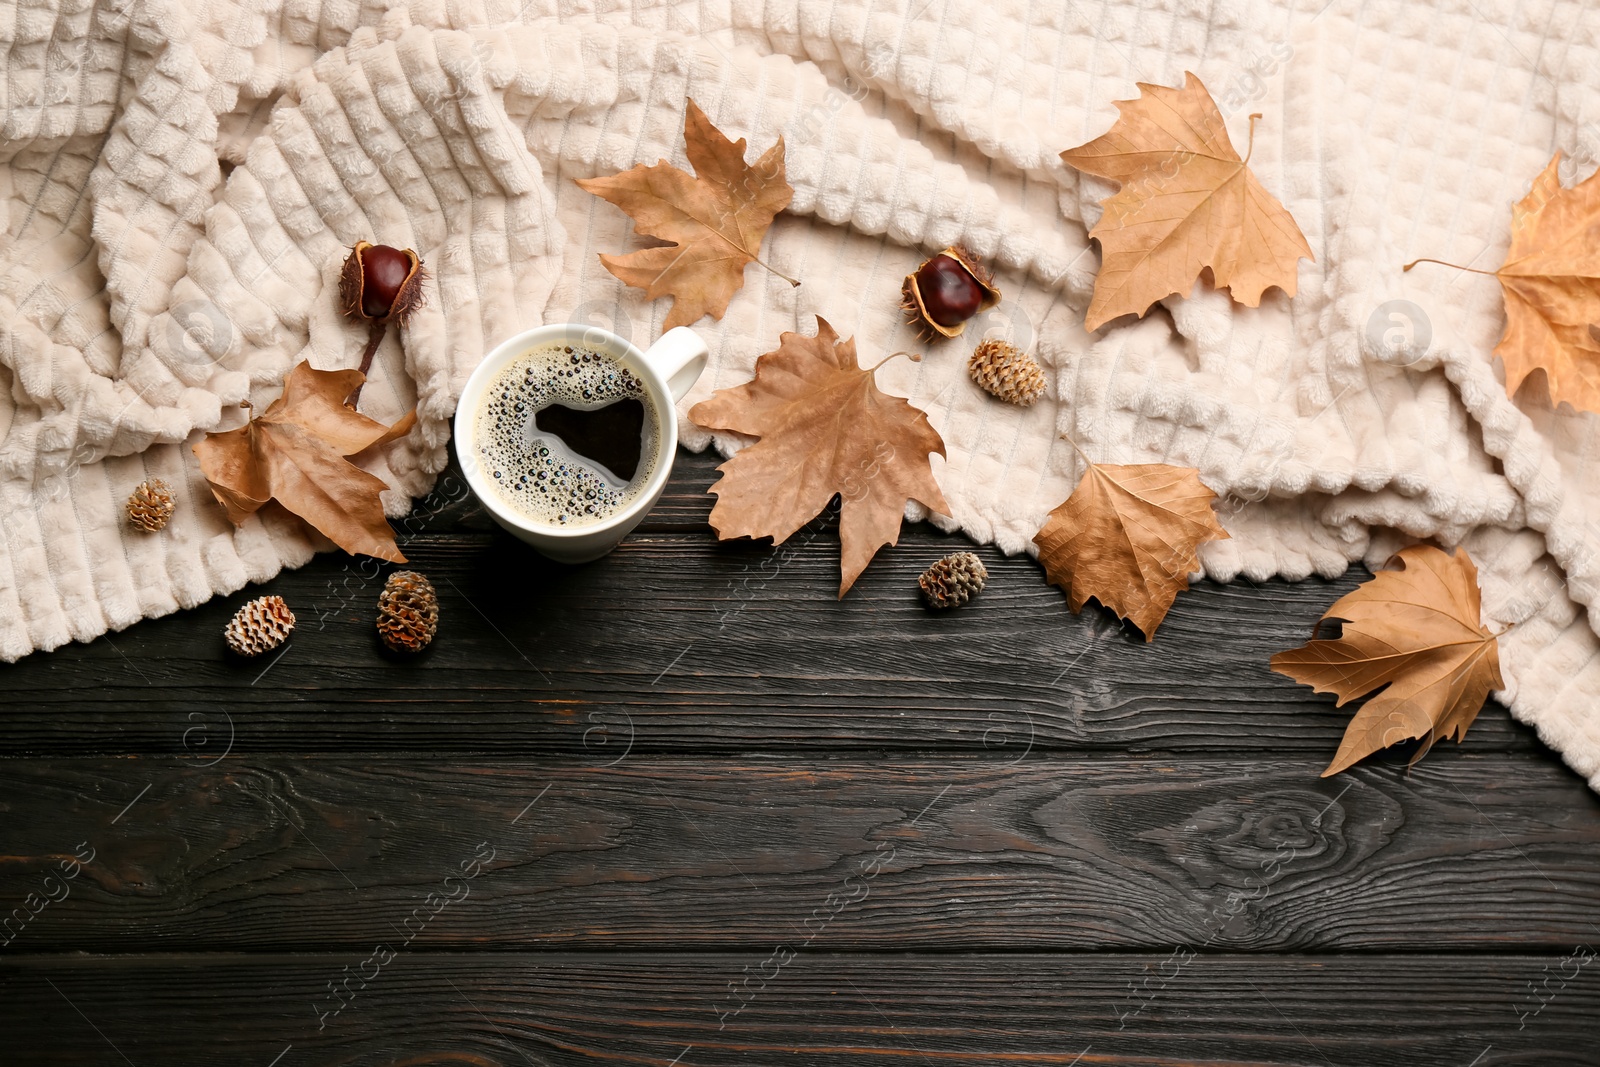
<point x="568" y="435"/>
<point x="567" y="432"/>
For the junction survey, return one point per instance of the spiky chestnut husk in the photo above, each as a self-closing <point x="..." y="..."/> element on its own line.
<point x="379" y="284"/>
<point x="947" y="290"/>
<point x="382" y="283"/>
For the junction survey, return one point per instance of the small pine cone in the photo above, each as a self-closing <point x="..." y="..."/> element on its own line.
<point x="408" y="612"/>
<point x="1006" y="372"/>
<point x="953" y="581"/>
<point x="150" y="505"/>
<point x="260" y="626"/>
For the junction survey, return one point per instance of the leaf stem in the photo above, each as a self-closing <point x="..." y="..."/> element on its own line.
<point x="1085" y="456"/>
<point x="374" y="339"/>
<point x="1508" y="629"/>
<point x="1444" y="263"/>
<point x="912" y="356"/>
<point x="779" y="273"/>
<point x="1250" y="146"/>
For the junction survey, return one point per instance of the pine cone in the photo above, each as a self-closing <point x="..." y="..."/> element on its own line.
<point x="260" y="626"/>
<point x="150" y="505"/>
<point x="408" y="612"/>
<point x="953" y="581"/>
<point x="1004" y="371"/>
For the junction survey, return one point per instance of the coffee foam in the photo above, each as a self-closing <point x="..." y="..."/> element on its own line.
<point x="533" y="472"/>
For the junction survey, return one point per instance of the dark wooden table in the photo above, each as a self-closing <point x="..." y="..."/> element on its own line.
<point x="681" y="806"/>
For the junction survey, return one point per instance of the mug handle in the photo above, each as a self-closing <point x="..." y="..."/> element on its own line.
<point x="679" y="357"/>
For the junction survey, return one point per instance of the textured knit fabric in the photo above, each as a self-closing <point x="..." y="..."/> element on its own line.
<point x="181" y="181"/>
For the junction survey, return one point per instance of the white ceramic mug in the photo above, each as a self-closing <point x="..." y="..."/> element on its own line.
<point x="668" y="369"/>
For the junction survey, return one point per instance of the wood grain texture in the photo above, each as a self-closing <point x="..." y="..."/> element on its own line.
<point x="682" y="807"/>
<point x="733" y="647"/>
<point x="300" y="854"/>
<point x="565" y="1010"/>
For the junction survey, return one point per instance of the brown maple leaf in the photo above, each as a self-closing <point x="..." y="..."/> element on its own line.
<point x="1551" y="283"/>
<point x="1417" y="634"/>
<point x="825" y="430"/>
<point x="294" y="453"/>
<point x="715" y="218"/>
<point x="1127" y="537"/>
<point x="1187" y="202"/>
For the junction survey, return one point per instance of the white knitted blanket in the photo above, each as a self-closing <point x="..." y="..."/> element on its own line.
<point x="181" y="179"/>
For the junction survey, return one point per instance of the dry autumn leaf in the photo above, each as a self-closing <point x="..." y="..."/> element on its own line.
<point x="824" y="429"/>
<point x="1551" y="282"/>
<point x="1127" y="537"/>
<point x="1417" y="634"/>
<point x="1187" y="202"/>
<point x="715" y="218"/>
<point x="294" y="453"/>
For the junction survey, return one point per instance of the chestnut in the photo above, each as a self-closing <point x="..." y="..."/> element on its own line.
<point x="379" y="284"/>
<point x="947" y="290"/>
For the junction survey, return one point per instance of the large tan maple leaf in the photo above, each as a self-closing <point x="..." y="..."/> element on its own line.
<point x="1551" y="281"/>
<point x="1417" y="634"/>
<point x="1187" y="202"/>
<point x="1127" y="536"/>
<point x="716" y="219"/>
<point x="825" y="429"/>
<point x="294" y="453"/>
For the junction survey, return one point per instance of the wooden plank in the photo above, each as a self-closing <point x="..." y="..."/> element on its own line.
<point x="705" y="646"/>
<point x="555" y="1010"/>
<point x="954" y="854"/>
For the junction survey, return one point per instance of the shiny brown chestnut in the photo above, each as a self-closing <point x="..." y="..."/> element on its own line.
<point x="947" y="290"/>
<point x="380" y="284"/>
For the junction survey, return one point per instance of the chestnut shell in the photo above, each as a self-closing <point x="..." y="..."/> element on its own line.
<point x="377" y="284"/>
<point x="914" y="301"/>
